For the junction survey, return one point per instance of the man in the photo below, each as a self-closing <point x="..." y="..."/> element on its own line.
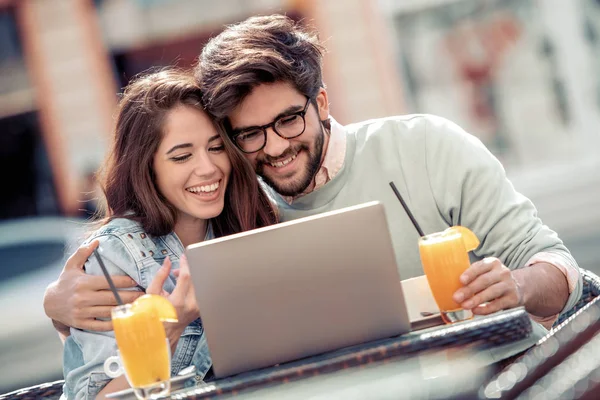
<point x="262" y="79"/>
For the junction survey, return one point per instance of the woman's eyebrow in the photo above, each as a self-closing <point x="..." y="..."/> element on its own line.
<point x="179" y="146"/>
<point x="213" y="138"/>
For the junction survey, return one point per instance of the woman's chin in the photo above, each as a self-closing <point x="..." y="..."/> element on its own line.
<point x="205" y="212"/>
<point x="209" y="212"/>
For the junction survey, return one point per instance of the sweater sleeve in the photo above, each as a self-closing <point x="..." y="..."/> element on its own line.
<point x="470" y="188"/>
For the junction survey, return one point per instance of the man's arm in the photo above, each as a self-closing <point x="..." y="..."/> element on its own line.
<point x="542" y="288"/>
<point x="545" y="289"/>
<point x="114" y="385"/>
<point x="77" y="299"/>
<point x="63" y="330"/>
<point x="471" y="189"/>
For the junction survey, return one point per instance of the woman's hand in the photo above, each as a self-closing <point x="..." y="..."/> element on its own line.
<point x="183" y="297"/>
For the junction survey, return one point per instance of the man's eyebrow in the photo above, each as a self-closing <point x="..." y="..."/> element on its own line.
<point x="179" y="146"/>
<point x="287" y="111"/>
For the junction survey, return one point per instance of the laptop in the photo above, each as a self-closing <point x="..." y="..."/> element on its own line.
<point x="299" y="288"/>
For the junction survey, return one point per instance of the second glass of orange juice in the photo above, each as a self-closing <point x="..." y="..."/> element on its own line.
<point x="445" y="257"/>
<point x="143" y="347"/>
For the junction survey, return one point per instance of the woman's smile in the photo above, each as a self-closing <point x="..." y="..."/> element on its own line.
<point x="206" y="191"/>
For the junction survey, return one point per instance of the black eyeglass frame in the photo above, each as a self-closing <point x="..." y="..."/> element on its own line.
<point x="263" y="128"/>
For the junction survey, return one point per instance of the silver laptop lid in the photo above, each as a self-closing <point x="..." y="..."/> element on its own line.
<point x="298" y="288"/>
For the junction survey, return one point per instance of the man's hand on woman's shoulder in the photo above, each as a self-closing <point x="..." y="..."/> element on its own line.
<point x="79" y="300"/>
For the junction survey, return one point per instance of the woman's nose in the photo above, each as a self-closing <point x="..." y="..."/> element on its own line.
<point x="205" y="166"/>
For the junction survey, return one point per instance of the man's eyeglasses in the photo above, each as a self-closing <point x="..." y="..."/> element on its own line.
<point x="253" y="139"/>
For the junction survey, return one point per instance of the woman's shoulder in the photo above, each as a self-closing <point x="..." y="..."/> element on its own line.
<point x="116" y="227"/>
<point x="117" y="231"/>
<point x="129" y="234"/>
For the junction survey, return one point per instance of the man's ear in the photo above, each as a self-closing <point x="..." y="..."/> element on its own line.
<point x="322" y="104"/>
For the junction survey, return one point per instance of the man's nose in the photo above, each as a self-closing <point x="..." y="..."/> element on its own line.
<point x="275" y="145"/>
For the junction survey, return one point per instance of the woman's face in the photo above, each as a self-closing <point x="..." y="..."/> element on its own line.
<point x="191" y="166"/>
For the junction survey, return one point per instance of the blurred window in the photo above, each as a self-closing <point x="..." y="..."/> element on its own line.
<point x="26" y="173"/>
<point x="13" y="74"/>
<point x="24" y="258"/>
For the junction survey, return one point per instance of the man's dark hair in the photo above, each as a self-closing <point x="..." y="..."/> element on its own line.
<point x="258" y="50"/>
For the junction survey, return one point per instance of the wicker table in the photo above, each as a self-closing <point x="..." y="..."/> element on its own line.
<point x="476" y="335"/>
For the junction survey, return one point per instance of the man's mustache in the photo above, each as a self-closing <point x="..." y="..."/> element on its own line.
<point x="284" y="156"/>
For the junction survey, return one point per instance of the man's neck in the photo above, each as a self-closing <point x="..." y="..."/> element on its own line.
<point x="311" y="187"/>
<point x="332" y="159"/>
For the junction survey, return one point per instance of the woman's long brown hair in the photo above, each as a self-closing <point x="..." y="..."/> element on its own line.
<point x="128" y="178"/>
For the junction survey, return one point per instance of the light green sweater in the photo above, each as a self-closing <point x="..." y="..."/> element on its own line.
<point x="447" y="177"/>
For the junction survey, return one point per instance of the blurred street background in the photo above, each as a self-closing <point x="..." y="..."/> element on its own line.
<point x="522" y="75"/>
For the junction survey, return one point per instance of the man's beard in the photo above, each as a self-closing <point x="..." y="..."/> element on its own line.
<point x="295" y="186"/>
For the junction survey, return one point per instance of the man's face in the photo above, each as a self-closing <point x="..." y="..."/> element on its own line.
<point x="287" y="165"/>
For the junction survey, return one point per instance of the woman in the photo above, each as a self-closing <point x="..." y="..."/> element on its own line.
<point x="172" y="179"/>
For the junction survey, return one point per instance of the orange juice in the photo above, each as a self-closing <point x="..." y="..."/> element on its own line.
<point x="444" y="256"/>
<point x="142" y="345"/>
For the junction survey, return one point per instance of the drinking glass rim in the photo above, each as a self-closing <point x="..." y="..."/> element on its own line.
<point x="121" y="309"/>
<point x="446" y="236"/>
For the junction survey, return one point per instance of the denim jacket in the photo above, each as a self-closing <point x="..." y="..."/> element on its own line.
<point x="127" y="250"/>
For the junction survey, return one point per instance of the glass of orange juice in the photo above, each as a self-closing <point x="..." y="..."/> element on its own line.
<point x="445" y="257"/>
<point x="144" y="352"/>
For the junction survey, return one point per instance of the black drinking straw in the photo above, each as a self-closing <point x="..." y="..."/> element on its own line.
<point x="108" y="278"/>
<point x="412" y="218"/>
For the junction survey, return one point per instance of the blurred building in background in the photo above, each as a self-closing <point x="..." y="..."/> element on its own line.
<point x="65" y="61"/>
<point x="519" y="74"/>
<point x="522" y="75"/>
